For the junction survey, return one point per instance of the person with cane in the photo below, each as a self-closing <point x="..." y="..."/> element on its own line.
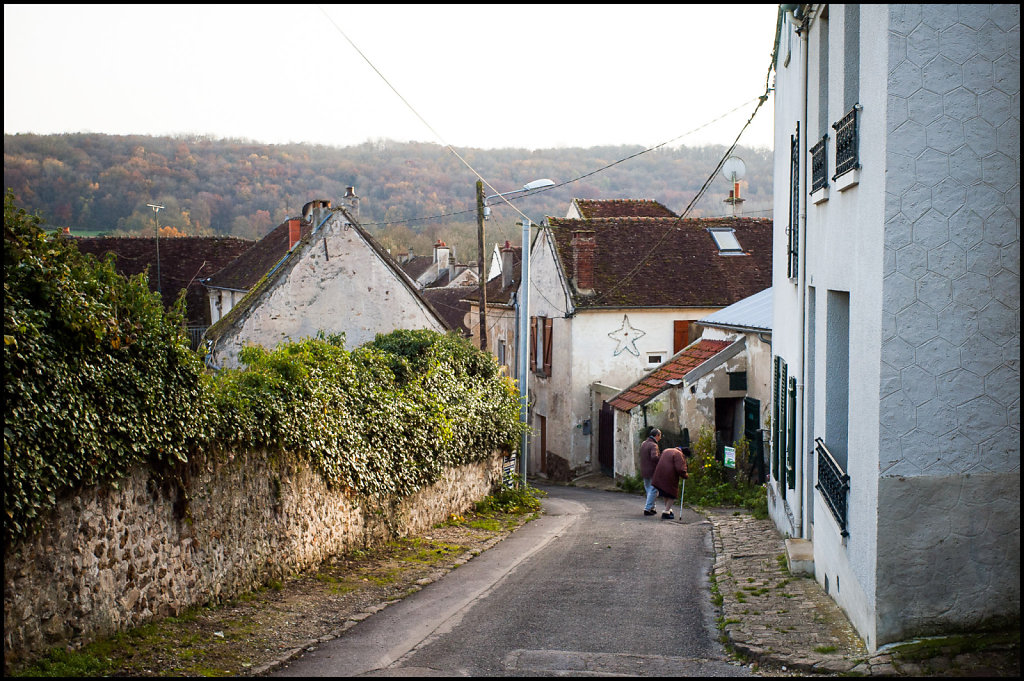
<point x="670" y="470"/>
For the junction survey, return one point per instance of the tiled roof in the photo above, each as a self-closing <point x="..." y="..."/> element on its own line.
<point x="496" y="293"/>
<point x="248" y="268"/>
<point x="668" y="262"/>
<point x="184" y="262"/>
<point x="753" y="312"/>
<point x="417" y="265"/>
<point x="622" y="208"/>
<point x="656" y="382"/>
<point x="448" y="302"/>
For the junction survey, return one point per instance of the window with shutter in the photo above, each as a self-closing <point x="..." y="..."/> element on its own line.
<point x="794" y="204"/>
<point x="533" y="344"/>
<point x="780" y="423"/>
<point x="791" y="435"/>
<point x="548" y="327"/>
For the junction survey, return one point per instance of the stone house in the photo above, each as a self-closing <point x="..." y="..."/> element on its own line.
<point x="337" y="279"/>
<point x="723" y="381"/>
<point x="501" y="293"/>
<point x="174" y="265"/>
<point x="611" y="299"/>
<point x="896" y="336"/>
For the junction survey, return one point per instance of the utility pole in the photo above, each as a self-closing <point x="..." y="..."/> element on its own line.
<point x="156" y="209"/>
<point x="480" y="264"/>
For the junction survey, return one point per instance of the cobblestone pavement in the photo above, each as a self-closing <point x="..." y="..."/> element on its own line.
<point x="787" y="623"/>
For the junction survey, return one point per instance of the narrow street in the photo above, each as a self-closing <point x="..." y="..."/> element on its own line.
<point x="592" y="587"/>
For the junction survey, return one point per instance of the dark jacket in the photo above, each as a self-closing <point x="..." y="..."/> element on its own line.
<point x="670" y="469"/>
<point x="648" y="457"/>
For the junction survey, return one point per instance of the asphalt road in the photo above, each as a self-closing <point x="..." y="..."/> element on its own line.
<point x="593" y="587"/>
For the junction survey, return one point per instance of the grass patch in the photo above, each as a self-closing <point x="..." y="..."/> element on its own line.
<point x="630" y="483"/>
<point x="61" y="663"/>
<point x="825" y="649"/>
<point x="953" y="645"/>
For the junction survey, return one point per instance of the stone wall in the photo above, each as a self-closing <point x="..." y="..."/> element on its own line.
<point x="110" y="559"/>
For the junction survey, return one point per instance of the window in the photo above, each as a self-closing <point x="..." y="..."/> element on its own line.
<point x="654" y="359"/>
<point x="846" y="143"/>
<point x="501" y="353"/>
<point x="737" y="380"/>
<point x="726" y="241"/>
<point x="837" y="374"/>
<point x="540" y="345"/>
<point x="793" y="231"/>
<point x="819" y="165"/>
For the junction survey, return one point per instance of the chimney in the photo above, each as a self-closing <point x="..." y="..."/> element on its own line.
<point x="507" y="257"/>
<point x="441" y="255"/>
<point x="294" y="232"/>
<point x="583" y="247"/>
<point x="352" y="202"/>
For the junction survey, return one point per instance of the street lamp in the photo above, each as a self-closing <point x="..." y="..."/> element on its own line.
<point x="522" y="305"/>
<point x="483" y="212"/>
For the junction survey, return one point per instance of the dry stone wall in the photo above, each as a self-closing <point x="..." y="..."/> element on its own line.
<point x="110" y="559"/>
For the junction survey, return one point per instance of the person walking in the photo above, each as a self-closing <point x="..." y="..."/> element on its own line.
<point x="670" y="470"/>
<point x="648" y="460"/>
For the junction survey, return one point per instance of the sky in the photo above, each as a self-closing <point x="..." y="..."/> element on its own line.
<point x="482" y="76"/>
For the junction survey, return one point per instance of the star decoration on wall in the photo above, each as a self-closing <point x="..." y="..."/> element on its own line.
<point x="626" y="337"/>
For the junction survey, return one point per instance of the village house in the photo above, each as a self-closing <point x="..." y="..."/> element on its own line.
<point x="501" y="292"/>
<point x="721" y="381"/>
<point x="895" y="422"/>
<point x="173" y="265"/>
<point x="611" y="298"/>
<point x="337" y="279"/>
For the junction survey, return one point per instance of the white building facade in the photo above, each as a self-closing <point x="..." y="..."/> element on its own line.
<point x="896" y="333"/>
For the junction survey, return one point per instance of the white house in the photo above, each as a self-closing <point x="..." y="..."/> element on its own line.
<point x="613" y="298"/>
<point x="338" y="279"/>
<point x="722" y="381"/>
<point x="896" y="332"/>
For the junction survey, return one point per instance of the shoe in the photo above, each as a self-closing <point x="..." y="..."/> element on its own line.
<point x="668" y="516"/>
<point x="649" y="511"/>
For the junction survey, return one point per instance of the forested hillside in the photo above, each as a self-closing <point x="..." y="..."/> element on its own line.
<point x="102" y="183"/>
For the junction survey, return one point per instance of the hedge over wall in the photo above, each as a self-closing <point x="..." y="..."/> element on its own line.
<point x="99" y="376"/>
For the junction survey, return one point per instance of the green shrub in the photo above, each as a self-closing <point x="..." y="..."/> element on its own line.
<point x="709" y="484"/>
<point x="517" y="498"/>
<point x="630" y="483"/>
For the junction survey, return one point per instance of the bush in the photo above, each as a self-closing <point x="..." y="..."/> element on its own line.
<point x="517" y="498"/>
<point x="709" y="484"/>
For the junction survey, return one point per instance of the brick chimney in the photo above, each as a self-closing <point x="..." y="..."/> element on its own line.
<point x="583" y="247"/>
<point x="294" y="232"/>
<point x="352" y="202"/>
<point x="507" y="258"/>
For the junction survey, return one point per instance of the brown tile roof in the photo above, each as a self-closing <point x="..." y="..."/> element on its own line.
<point x="656" y="382"/>
<point x="184" y="262"/>
<point x="622" y="208"/>
<point x="496" y="294"/>
<point x="449" y="305"/>
<point x="417" y="265"/>
<point x="248" y="268"/>
<point x="668" y="262"/>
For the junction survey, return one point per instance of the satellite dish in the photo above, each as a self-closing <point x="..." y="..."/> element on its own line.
<point x="734" y="169"/>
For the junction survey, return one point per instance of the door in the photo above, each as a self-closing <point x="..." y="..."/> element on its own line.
<point x="752" y="431"/>
<point x="606" y="439"/>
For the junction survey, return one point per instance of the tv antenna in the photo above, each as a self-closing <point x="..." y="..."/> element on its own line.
<point x="734" y="169"/>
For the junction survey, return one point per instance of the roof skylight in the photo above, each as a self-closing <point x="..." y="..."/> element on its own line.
<point x="726" y="241"/>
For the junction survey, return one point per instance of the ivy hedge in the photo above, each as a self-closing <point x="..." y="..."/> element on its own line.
<point x="98" y="377"/>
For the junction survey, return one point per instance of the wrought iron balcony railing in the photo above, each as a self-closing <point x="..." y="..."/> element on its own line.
<point x="833" y="483"/>
<point x="819" y="165"/>
<point x="846" y="142"/>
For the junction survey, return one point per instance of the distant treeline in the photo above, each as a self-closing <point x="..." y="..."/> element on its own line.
<point x="102" y="183"/>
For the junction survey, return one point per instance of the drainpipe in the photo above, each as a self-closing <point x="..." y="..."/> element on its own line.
<point x="802" y="526"/>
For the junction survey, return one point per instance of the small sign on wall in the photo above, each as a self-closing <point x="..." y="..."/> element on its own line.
<point x="730" y="457"/>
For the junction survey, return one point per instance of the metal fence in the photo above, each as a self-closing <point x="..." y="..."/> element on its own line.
<point x="833" y="483"/>
<point x="846" y="143"/>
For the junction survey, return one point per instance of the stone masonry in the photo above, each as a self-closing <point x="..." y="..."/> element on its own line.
<point x="110" y="559"/>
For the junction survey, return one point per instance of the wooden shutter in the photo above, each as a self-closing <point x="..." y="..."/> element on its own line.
<point x="680" y="334"/>
<point x="780" y="423"/>
<point x="533" y="344"/>
<point x="791" y="435"/>
<point x="793" y="255"/>
<point x="547" y="345"/>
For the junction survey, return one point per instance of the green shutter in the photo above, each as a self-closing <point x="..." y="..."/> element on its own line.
<point x="791" y="435"/>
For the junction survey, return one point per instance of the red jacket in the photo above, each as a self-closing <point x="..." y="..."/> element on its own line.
<point x="670" y="470"/>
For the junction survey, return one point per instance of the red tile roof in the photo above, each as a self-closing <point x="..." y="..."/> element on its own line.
<point x="184" y="262"/>
<point x="656" y="382"/>
<point x="247" y="269"/>
<point x="668" y="262"/>
<point x="622" y="208"/>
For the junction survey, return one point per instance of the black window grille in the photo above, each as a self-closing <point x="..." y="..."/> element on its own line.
<point x="819" y="165"/>
<point x="793" y="231"/>
<point x="846" y="142"/>
<point x="833" y="483"/>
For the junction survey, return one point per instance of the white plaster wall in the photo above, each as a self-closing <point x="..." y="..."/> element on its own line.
<point x="336" y="282"/>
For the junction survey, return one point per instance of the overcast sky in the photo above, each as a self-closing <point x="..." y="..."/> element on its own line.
<point x="486" y="76"/>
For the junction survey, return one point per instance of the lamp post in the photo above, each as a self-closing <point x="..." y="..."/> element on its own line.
<point x="156" y="209"/>
<point x="522" y="304"/>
